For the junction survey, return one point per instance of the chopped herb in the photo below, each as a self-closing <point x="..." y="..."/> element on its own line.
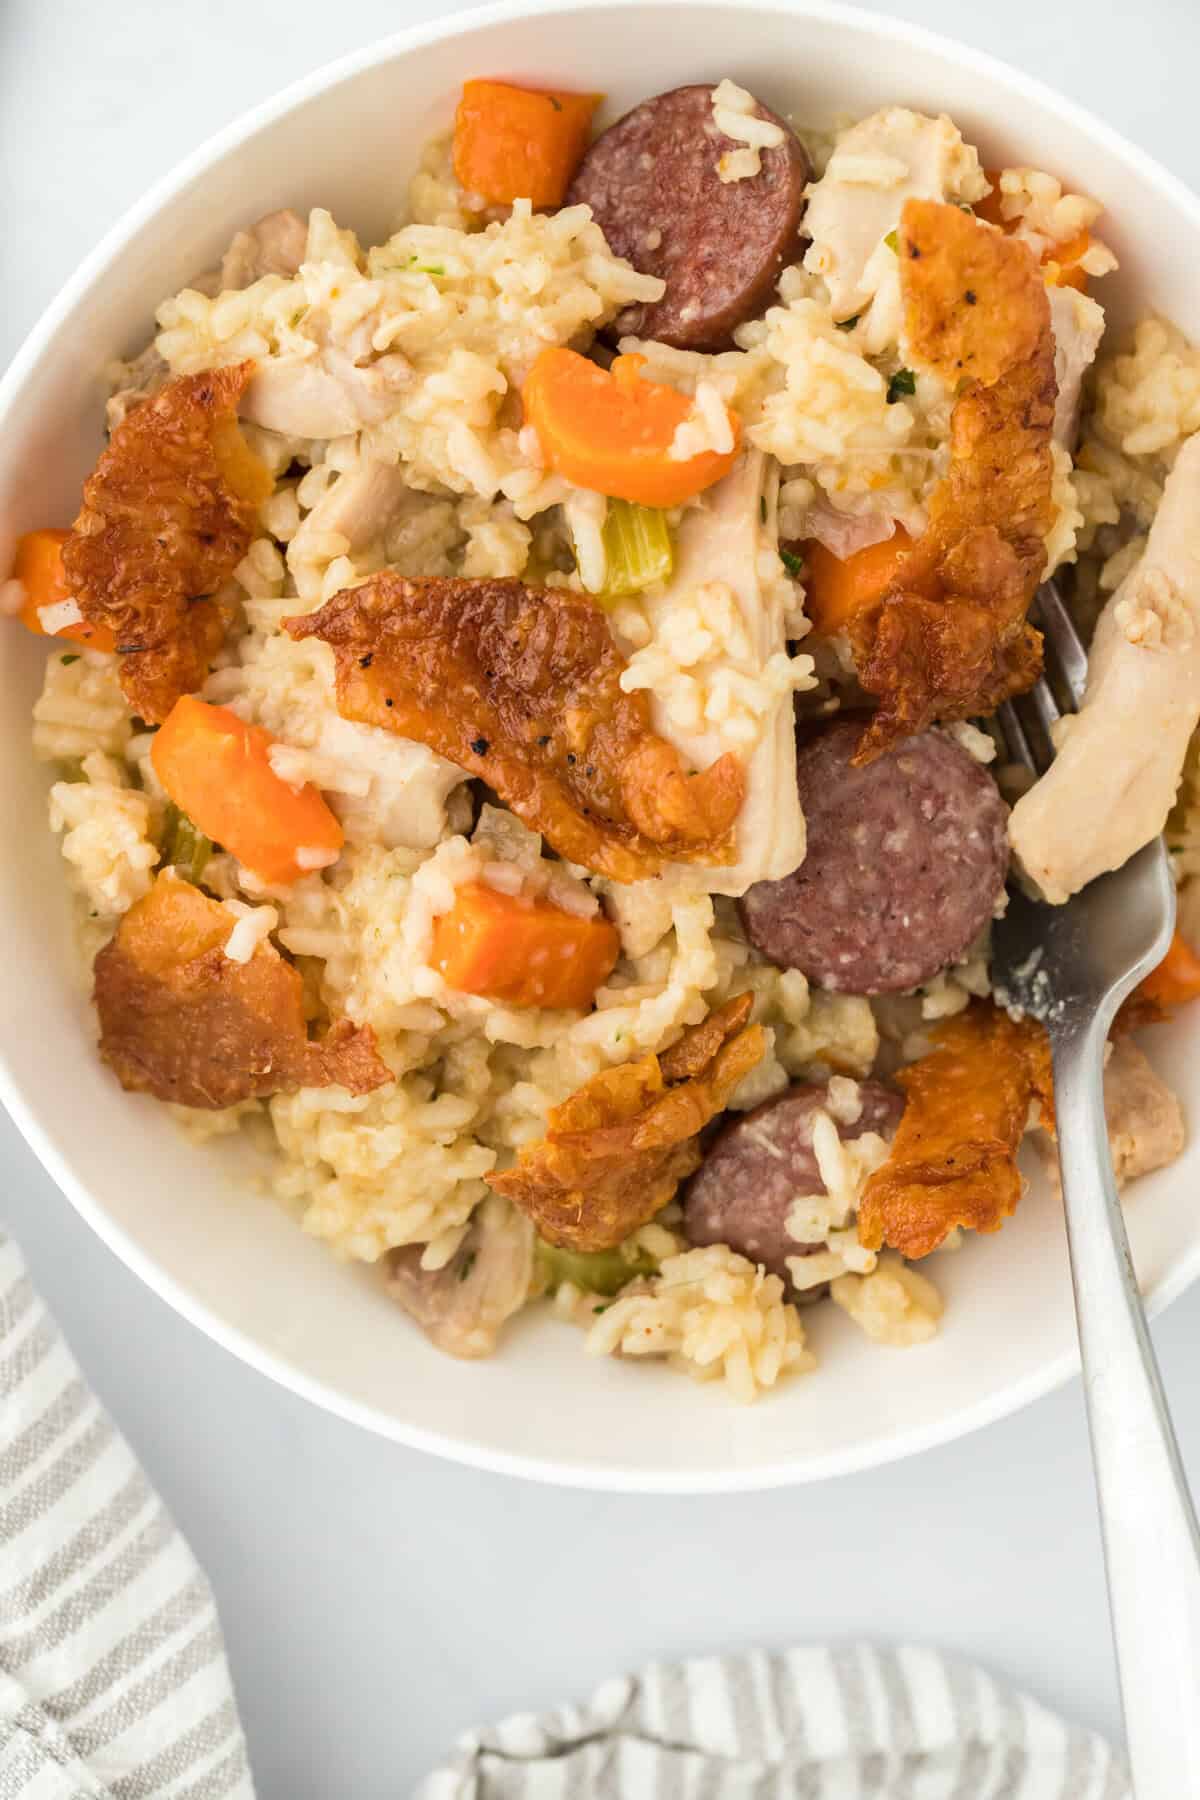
<point x="571" y="758"/>
<point x="971" y="297"/>
<point x="914" y="252"/>
<point x="389" y="701"/>
<point x="480" y="746"/>
<point x="420" y="268"/>
<point x="597" y="1310"/>
<point x="902" y="382"/>
<point x="364" y="662"/>
<point x="69" y="659"/>
<point x="791" y="562"/>
<point x="556" y="104"/>
<point x="852" y="321"/>
<point x="964" y="206"/>
<point x="467" y="1264"/>
<point x="892" y="240"/>
<point x="543" y="741"/>
<point x="71" y="768"/>
<point x="129" y="649"/>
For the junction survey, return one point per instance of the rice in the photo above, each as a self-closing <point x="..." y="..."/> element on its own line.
<point x="712" y="1314"/>
<point x="893" y="1304"/>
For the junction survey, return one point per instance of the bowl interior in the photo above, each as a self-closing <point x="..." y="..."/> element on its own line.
<point x="190" y="1219"/>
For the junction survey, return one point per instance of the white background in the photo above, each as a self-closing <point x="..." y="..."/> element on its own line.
<point x="376" y="1601"/>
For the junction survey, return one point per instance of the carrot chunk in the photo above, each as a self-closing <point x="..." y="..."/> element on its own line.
<point x="611" y="430"/>
<point x="526" y="952"/>
<point x="217" y="770"/>
<point x="1061" y="261"/>
<point x="837" y="590"/>
<point x="513" y="143"/>
<point x="1176" y="979"/>
<point x="39" y="569"/>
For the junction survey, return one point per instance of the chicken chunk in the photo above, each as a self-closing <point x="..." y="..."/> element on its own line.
<point x="1145" y="1120"/>
<point x="727" y="538"/>
<point x="182" y="1020"/>
<point x="463" y="1306"/>
<point x="324" y="396"/>
<point x="1078" y="327"/>
<point x="1113" y="782"/>
<point x="274" y="246"/>
<point x="877" y="165"/>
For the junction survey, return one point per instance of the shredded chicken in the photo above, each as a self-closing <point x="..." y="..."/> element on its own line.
<point x="180" y="1019"/>
<point x="521" y="687"/>
<point x="951" y="638"/>
<point x="1114" y="779"/>
<point x="879" y="164"/>
<point x="729" y="537"/>
<point x="616" y="1151"/>
<point x="1144" y="1118"/>
<point x="1078" y="327"/>
<point x="463" y="1306"/>
<point x="324" y="396"/>
<point x="167" y="515"/>
<point x="275" y="245"/>
<point x="954" y="1159"/>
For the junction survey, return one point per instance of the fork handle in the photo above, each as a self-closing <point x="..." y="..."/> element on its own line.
<point x="1148" y="1521"/>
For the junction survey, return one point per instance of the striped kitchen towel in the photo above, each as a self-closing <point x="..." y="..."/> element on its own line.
<point x="836" y="1724"/>
<point x="113" y="1680"/>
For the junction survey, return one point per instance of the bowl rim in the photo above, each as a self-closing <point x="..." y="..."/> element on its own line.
<point x="790" y="1470"/>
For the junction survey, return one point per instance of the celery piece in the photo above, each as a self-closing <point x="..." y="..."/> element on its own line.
<point x="184" y="848"/>
<point x="595" y="1271"/>
<point x="637" y="548"/>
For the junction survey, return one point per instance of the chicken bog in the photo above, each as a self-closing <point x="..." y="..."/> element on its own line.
<point x="513" y="698"/>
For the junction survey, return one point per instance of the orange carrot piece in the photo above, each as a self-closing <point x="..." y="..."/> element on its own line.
<point x="836" y="591"/>
<point x="1176" y="980"/>
<point x="989" y="207"/>
<point x="1063" y="260"/>
<point x="525" y="952"/>
<point x="513" y="143"/>
<point x="610" y="430"/>
<point x="216" y="769"/>
<point x="39" y="569"/>
<point x="1060" y="260"/>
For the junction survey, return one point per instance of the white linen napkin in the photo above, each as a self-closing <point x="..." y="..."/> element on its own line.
<point x="113" y="1679"/>
<point x="812" y="1724"/>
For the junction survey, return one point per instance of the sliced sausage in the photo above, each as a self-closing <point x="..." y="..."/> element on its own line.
<point x="651" y="181"/>
<point x="744" y="1189"/>
<point x="906" y="859"/>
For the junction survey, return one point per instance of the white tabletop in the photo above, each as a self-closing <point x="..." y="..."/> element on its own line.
<point x="377" y="1601"/>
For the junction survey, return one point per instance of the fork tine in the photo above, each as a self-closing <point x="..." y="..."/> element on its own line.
<point x="1016" y="742"/>
<point x="1068" y="657"/>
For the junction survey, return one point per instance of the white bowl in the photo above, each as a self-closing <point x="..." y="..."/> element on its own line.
<point x="227" y="1258"/>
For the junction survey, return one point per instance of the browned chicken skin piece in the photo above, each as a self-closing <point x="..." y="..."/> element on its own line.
<point x="182" y="1021"/>
<point x="521" y="686"/>
<point x="951" y="638"/>
<point x="954" y="1158"/>
<point x="615" y="1152"/>
<point x="168" y="513"/>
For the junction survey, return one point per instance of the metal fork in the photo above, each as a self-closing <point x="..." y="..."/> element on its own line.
<point x="1071" y="966"/>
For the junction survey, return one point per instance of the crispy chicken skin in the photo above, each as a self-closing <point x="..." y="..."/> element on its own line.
<point x="616" y="1151"/>
<point x="521" y="687"/>
<point x="951" y="638"/>
<point x="168" y="513"/>
<point x="954" y="1159"/>
<point x="182" y="1021"/>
